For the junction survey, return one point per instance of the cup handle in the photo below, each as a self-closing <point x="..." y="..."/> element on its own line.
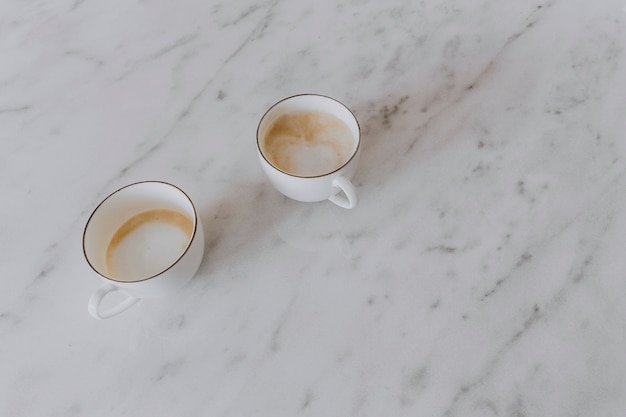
<point x="96" y="298"/>
<point x="349" y="199"/>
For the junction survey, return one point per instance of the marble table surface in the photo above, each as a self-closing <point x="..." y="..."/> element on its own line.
<point x="481" y="274"/>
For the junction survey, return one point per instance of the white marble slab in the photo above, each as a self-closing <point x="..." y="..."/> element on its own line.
<point x="482" y="273"/>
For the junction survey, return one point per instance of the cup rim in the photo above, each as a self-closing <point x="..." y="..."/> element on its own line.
<point x="352" y="156"/>
<point x="196" y="219"/>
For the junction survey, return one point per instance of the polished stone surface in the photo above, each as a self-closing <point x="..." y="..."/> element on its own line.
<point x="481" y="274"/>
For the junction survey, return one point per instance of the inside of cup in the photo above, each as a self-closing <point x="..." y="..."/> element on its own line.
<point x="125" y="204"/>
<point x="307" y="103"/>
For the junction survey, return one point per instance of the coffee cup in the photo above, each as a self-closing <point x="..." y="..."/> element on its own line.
<point x="309" y="147"/>
<point x="144" y="240"/>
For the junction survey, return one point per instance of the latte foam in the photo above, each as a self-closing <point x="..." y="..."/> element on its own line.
<point x="308" y="143"/>
<point x="147" y="244"/>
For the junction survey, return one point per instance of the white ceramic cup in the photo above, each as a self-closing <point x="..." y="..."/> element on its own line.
<point x="334" y="185"/>
<point x="107" y="219"/>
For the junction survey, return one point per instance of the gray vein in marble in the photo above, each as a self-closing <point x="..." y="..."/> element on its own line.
<point x="306" y="402"/>
<point x="388" y="113"/>
<point x="14" y="109"/>
<point x="531" y="20"/>
<point x="490" y="367"/>
<point x="524" y="259"/>
<point x="442" y="248"/>
<point x="415" y="382"/>
<point x="170" y="369"/>
<point x="527" y="256"/>
<point x="178" y="43"/>
<point x="243" y="15"/>
<point x="256" y="33"/>
<point x="276" y="334"/>
<point x="576" y="275"/>
<point x="160" y="52"/>
<point x="77" y="4"/>
<point x="44" y="273"/>
<point x="10" y="318"/>
<point x="97" y="62"/>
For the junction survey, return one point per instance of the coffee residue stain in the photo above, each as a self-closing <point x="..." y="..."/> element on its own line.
<point x="165" y="216"/>
<point x="299" y="131"/>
